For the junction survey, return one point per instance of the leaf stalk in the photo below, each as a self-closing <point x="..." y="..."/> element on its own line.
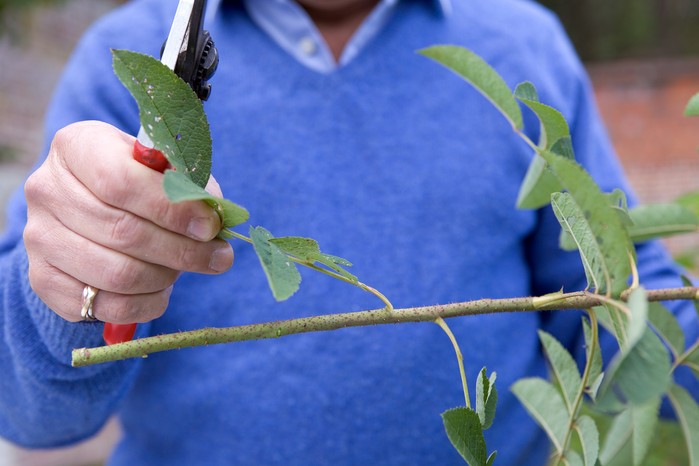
<point x="459" y="357"/>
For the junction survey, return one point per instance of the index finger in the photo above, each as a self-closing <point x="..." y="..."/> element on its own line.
<point x="100" y="157"/>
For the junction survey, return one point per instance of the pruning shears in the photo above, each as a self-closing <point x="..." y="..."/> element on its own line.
<point x="190" y="52"/>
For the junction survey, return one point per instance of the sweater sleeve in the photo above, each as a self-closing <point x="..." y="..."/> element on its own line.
<point x="44" y="401"/>
<point x="570" y="91"/>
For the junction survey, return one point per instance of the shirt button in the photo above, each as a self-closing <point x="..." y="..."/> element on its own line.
<point x="307" y="46"/>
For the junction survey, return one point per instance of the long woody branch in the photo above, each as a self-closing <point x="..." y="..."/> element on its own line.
<point x="211" y="336"/>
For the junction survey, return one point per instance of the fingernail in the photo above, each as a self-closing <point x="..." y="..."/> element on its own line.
<point x="222" y="259"/>
<point x="201" y="228"/>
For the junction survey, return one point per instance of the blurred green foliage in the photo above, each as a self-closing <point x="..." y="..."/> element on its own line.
<point x="13" y="14"/>
<point x="611" y="29"/>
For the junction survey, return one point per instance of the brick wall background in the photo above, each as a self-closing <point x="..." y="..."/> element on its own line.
<point x="641" y="101"/>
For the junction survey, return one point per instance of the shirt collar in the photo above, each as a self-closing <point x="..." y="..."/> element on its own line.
<point x="444" y="7"/>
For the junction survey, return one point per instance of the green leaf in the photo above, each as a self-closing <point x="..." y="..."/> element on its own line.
<point x="589" y="439"/>
<point x="170" y="113"/>
<point x="661" y="220"/>
<point x="667" y="327"/>
<point x="535" y="191"/>
<point x="574" y="222"/>
<point x="491" y="458"/>
<point x="614" y="321"/>
<point x="637" y="303"/>
<point x="282" y="274"/>
<point x="635" y="425"/>
<point x="537" y="186"/>
<point x="302" y="248"/>
<point x="526" y="91"/>
<point x="553" y="124"/>
<point x="603" y="242"/>
<point x="179" y="188"/>
<point x="564" y="368"/>
<point x="618" y="435"/>
<point x="571" y="458"/>
<point x="480" y="75"/>
<point x="463" y="428"/>
<point x="691" y="359"/>
<point x="307" y="249"/>
<point x="645" y="420"/>
<point x="617" y="200"/>
<point x="564" y="148"/>
<point x="637" y="375"/>
<point x="692" y="108"/>
<point x="689" y="201"/>
<point x="688" y="415"/>
<point x="546" y="406"/>
<point x="486" y="398"/>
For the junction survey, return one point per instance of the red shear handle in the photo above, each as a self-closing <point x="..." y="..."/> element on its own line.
<point x="151" y="158"/>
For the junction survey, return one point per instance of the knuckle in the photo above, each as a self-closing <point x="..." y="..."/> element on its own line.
<point x="164" y="213"/>
<point x="45" y="281"/>
<point x="37" y="236"/>
<point x="124" y="312"/>
<point x="39" y="280"/>
<point x="31" y="234"/>
<point x="156" y="307"/>
<point x="60" y="148"/>
<point x="39" y="189"/>
<point x="121" y="277"/>
<point x="189" y="258"/>
<point x="33" y="187"/>
<point x="142" y="308"/>
<point x="126" y="231"/>
<point x="111" y="187"/>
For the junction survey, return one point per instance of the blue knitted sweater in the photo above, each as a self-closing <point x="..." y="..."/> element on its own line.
<point x="391" y="162"/>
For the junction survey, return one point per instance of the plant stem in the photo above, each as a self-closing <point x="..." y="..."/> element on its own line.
<point x="683" y="357"/>
<point x="529" y="142"/>
<point x="235" y="234"/>
<point x="459" y="357"/>
<point x="209" y="336"/>
<point x="577" y="403"/>
<point x="617" y="320"/>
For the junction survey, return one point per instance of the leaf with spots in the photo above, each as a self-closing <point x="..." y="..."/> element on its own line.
<point x="170" y="113"/>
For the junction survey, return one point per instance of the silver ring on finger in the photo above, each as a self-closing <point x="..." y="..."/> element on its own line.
<point x="89" y="294"/>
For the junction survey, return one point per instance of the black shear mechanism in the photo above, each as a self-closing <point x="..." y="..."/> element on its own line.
<point x="198" y="57"/>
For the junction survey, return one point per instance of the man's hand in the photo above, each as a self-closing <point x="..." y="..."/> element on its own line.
<point x="97" y="217"/>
